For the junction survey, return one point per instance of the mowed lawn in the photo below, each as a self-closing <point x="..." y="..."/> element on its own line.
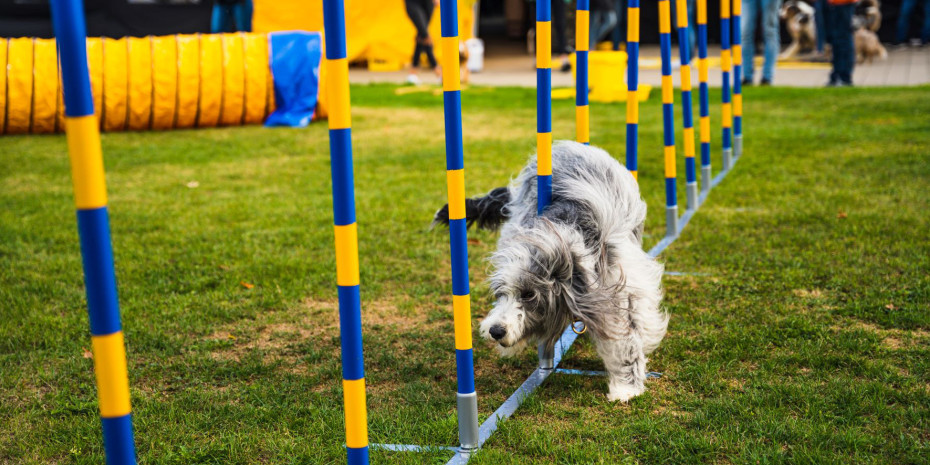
<point x="800" y="336"/>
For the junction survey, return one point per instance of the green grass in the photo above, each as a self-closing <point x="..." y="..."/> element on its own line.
<point x="804" y="340"/>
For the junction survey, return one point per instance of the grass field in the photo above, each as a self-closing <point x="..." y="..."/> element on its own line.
<point x="802" y="338"/>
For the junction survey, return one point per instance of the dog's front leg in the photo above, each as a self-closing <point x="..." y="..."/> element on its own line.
<point x="625" y="363"/>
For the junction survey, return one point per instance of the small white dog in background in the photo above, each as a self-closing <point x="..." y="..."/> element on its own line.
<point x="580" y="260"/>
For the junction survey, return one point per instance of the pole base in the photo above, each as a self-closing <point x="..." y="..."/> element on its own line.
<point x="671" y="221"/>
<point x="468" y="420"/>
<point x="691" y="189"/>
<point x="546" y="354"/>
<point x="738" y="145"/>
<point x="706" y="178"/>
<point x="727" y="159"/>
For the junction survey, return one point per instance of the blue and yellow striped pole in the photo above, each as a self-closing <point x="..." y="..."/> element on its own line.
<point x="668" y="119"/>
<point x="632" y="85"/>
<point x="467" y="398"/>
<point x="704" y="98"/>
<point x="582" y="113"/>
<point x="346" y="233"/>
<point x="737" y="79"/>
<point x="687" y="114"/>
<point x="726" y="110"/>
<point x="544" y="131"/>
<point x="90" y="197"/>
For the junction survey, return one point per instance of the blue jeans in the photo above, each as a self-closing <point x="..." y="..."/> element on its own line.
<point x="232" y="18"/>
<point x="904" y="21"/>
<point x="765" y="11"/>
<point x="820" y="24"/>
<point x="601" y="24"/>
<point x="840" y="36"/>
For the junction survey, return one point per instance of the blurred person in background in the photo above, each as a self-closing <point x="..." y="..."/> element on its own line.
<point x="559" y="39"/>
<point x="420" y="12"/>
<point x="603" y="20"/>
<point x="231" y="16"/>
<point x="766" y="12"/>
<point x="838" y="16"/>
<point x="905" y="16"/>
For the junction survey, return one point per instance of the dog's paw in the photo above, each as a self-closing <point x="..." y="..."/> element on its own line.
<point x="624" y="392"/>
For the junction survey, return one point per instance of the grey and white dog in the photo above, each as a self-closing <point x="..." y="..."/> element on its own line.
<point x="580" y="260"/>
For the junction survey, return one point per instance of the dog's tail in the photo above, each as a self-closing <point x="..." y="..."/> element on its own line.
<point x="487" y="212"/>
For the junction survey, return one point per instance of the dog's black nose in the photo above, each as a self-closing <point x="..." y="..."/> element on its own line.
<point x="497" y="332"/>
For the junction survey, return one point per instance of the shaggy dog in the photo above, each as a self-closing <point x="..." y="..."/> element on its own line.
<point x="580" y="260"/>
<point x="799" y="21"/>
<point x="868" y="46"/>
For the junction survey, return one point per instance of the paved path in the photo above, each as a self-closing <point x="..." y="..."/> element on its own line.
<point x="904" y="67"/>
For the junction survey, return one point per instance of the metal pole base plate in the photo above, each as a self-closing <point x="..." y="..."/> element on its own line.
<point x="671" y="221"/>
<point x="468" y="420"/>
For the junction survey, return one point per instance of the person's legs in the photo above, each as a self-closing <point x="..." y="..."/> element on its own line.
<point x="770" y="37"/>
<point x="618" y="33"/>
<point x="904" y="20"/>
<point x="220" y="20"/>
<point x="925" y="31"/>
<point x="750" y="14"/>
<point x="243" y="11"/>
<point x="559" y="42"/>
<point x="843" y="45"/>
<point x="819" y="24"/>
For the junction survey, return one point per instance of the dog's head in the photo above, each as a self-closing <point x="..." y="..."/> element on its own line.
<point x="544" y="279"/>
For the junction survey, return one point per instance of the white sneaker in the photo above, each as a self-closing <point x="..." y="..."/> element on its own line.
<point x="413" y="79"/>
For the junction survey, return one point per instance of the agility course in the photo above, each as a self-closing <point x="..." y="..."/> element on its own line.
<point x="90" y="196"/>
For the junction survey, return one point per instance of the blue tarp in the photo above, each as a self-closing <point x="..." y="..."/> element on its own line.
<point x="295" y="64"/>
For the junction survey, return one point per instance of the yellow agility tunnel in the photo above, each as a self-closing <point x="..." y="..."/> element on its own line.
<point x="141" y="83"/>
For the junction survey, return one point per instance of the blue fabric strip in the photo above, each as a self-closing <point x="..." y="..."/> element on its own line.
<point x="449" y="20"/>
<point x="544" y="189"/>
<point x="581" y="81"/>
<point x="452" y="100"/>
<point x="544" y="99"/>
<point x="118" y="443"/>
<point x="340" y="149"/>
<point x="350" y="332"/>
<point x="334" y="24"/>
<point x="458" y="243"/>
<point x="357" y="456"/>
<point x="464" y="367"/>
<point x="295" y="58"/>
<point x="671" y="193"/>
<point x="68" y="20"/>
<point x="99" y="276"/>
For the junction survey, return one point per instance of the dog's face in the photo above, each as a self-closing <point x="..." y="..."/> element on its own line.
<point x="541" y="282"/>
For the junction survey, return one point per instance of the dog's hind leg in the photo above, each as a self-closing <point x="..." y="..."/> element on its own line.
<point x="487" y="212"/>
<point x="625" y="362"/>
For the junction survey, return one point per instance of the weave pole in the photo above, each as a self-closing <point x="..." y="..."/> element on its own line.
<point x="706" y="177"/>
<point x="668" y="120"/>
<point x="466" y="397"/>
<point x="90" y="198"/>
<point x="582" y="111"/>
<point x="737" y="79"/>
<point x="726" y="111"/>
<point x="632" y="84"/>
<point x="687" y="113"/>
<point x="346" y="233"/>
<point x="544" y="133"/>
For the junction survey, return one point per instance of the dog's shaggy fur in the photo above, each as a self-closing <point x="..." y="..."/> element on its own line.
<point x="798" y="16"/>
<point x="580" y="260"/>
